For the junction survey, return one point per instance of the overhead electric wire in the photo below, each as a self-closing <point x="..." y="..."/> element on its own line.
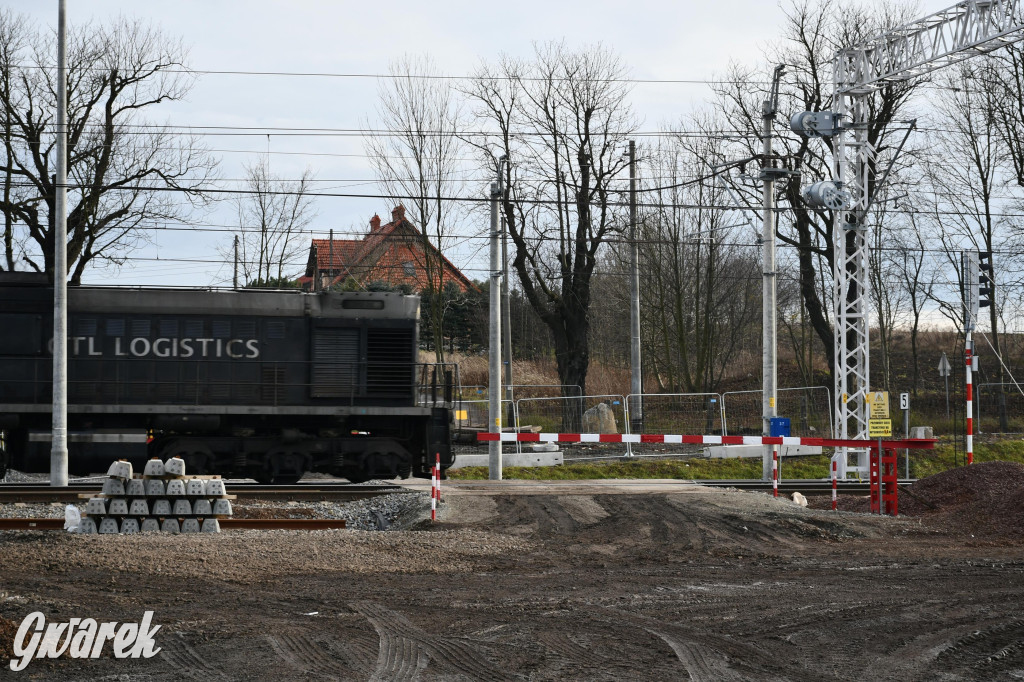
<point x="482" y="199"/>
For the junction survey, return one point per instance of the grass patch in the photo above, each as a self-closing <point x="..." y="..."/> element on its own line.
<point x="922" y="463"/>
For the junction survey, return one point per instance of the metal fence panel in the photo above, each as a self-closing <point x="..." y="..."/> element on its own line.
<point x="809" y="409"/>
<point x="992" y="400"/>
<point x="677" y="413"/>
<point x="472" y="417"/>
<point x="569" y="415"/>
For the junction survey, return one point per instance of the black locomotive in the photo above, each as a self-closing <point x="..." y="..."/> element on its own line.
<point x="255" y="383"/>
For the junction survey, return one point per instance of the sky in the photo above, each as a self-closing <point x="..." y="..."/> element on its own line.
<point x="667" y="40"/>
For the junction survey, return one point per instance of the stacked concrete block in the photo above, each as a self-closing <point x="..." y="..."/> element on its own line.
<point x="162" y="499"/>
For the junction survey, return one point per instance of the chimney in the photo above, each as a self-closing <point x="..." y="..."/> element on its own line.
<point x="374" y="223"/>
<point x="398" y="215"/>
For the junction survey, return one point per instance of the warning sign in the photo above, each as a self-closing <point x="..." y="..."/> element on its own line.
<point x="879" y="402"/>
<point x="879" y="428"/>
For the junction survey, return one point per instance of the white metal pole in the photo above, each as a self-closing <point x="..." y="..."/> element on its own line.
<point x="636" y="409"/>
<point x="768" y="343"/>
<point x="59" y="443"/>
<point x="494" y="337"/>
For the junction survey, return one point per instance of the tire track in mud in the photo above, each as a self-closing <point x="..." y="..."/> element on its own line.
<point x="305" y="655"/>
<point x="404" y="648"/>
<point x="361" y="651"/>
<point x="711" y="657"/>
<point x="560" y="644"/>
<point x="702" y="664"/>
<point x="983" y="653"/>
<point x="186" y="661"/>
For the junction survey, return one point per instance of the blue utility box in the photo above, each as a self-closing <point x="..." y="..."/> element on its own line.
<point x="778" y="427"/>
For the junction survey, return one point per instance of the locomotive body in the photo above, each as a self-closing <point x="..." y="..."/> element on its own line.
<point x="257" y="383"/>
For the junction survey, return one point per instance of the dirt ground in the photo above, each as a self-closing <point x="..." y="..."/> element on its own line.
<point x="639" y="581"/>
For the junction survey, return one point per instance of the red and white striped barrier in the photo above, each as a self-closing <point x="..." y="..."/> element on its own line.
<point x="909" y="443"/>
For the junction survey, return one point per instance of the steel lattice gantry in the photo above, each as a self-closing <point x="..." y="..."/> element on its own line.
<point x="952" y="35"/>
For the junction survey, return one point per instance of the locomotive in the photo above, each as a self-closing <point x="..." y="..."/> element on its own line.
<point x="267" y="384"/>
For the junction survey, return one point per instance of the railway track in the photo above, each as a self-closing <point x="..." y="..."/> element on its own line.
<point x="314" y="491"/>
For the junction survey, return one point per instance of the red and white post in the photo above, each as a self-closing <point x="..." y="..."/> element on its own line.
<point x="834" y="478"/>
<point x="969" y="391"/>
<point x="437" y="467"/>
<point x="434" y="473"/>
<point x="775" y="471"/>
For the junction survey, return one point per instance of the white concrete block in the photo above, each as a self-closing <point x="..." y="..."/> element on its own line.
<point x="154" y="467"/>
<point x="756" y="451"/>
<point x="190" y="526"/>
<point x="136" y="488"/>
<point x="175" y="466"/>
<point x="512" y="459"/>
<point x="96" y="506"/>
<point x="112" y="487"/>
<point x="921" y="432"/>
<point x="120" y="469"/>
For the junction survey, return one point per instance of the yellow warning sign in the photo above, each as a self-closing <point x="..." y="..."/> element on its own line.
<point x="879" y="428"/>
<point x="879" y="402"/>
<point x="462" y="415"/>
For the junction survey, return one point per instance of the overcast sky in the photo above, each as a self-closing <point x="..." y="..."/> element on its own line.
<point x="682" y="40"/>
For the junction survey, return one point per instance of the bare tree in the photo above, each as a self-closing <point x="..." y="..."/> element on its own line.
<point x="272" y="214"/>
<point x="813" y="34"/>
<point x="125" y="174"/>
<point x="1006" y="85"/>
<point x="967" y="171"/>
<point x="913" y="273"/>
<point x="418" y="160"/>
<point x="701" y="289"/>
<point x="562" y="119"/>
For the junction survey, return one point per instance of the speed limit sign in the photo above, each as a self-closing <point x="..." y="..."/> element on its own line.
<point x="904" y="401"/>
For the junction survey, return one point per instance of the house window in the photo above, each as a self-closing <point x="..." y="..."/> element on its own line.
<point x="410" y="269"/>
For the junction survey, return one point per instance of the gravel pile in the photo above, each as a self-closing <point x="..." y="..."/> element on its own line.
<point x="30" y="510"/>
<point x="14" y="476"/>
<point x="255" y="556"/>
<point x="984" y="500"/>
<point x="386" y="512"/>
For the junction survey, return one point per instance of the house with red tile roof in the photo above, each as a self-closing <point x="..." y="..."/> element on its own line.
<point x="395" y="254"/>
